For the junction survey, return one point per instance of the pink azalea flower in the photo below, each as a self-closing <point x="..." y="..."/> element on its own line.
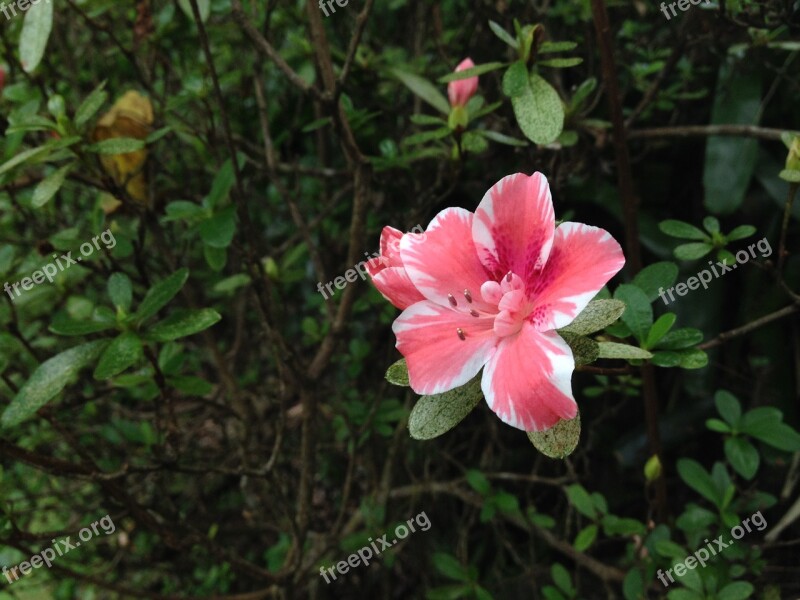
<point x="389" y="275"/>
<point x="495" y="286"/>
<point x="462" y="90"/>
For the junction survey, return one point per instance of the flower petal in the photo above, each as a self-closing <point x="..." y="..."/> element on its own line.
<point x="527" y="381"/>
<point x="393" y="283"/>
<point x="513" y="226"/>
<point x="581" y="262"/>
<point x="443" y="261"/>
<point x="390" y="246"/>
<point x="460" y="91"/>
<point x="438" y="360"/>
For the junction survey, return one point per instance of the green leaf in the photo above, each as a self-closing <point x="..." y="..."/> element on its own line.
<point x="585" y="538"/>
<point x="730" y="161"/>
<point x="562" y="579"/>
<point x="666" y="359"/>
<point x="218" y="231"/>
<point x="160" y="294"/>
<point x="584" y="350"/>
<point x="427" y="136"/>
<point x="728" y="407"/>
<point x="120" y="145"/>
<point x="597" y="315"/>
<point x="680" y="338"/>
<point x="397" y="374"/>
<point x="182" y="323"/>
<point x="203" y="7"/>
<point x="743" y="457"/>
<point x="740" y="232"/>
<point x="624" y="351"/>
<point x="581" y="500"/>
<point x="682" y="230"/>
<point x="35" y="33"/>
<point x="427" y="120"/>
<point x="424" y="89"/>
<point x="548" y="47"/>
<point x="49" y="186"/>
<point x="63" y="325"/>
<point x="560" y="440"/>
<point x="760" y="421"/>
<point x="450" y="567"/>
<point x="434" y="415"/>
<point x="478" y="481"/>
<point x="516" y="80"/>
<point x="656" y="276"/>
<point x="718" y="426"/>
<point x="539" y="111"/>
<point x="738" y="590"/>
<point x="501" y="138"/>
<point x="120" y="291"/>
<point x="473" y="142"/>
<point x="122" y="353"/>
<point x="472" y="72"/>
<point x="614" y="525"/>
<point x="560" y="63"/>
<point x="659" y="329"/>
<point x="24" y="156"/>
<point x="711" y="224"/>
<point x="783" y="437"/>
<point x="693" y="358"/>
<point x="48" y="380"/>
<point x="633" y="585"/>
<point x="684" y="594"/>
<point x="500" y="32"/>
<point x="692" y="251"/>
<point x="221" y="186"/>
<point x="638" y="315"/>
<point x="697" y="478"/>
<point x="90" y="105"/>
<point x="317" y="124"/>
<point x="790" y="175"/>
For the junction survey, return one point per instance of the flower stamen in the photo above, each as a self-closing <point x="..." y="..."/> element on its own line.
<point x="452" y="300"/>
<point x="460" y="333"/>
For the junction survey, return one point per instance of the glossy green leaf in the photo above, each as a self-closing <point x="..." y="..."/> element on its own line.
<point x="182" y="323"/>
<point x="120" y="145"/>
<point x="742" y="456"/>
<point x="49" y="186"/>
<point x="692" y="251"/>
<point x="472" y="72"/>
<point x="48" y="380"/>
<point x="120" y="291"/>
<point x="35" y="33"/>
<point x="682" y="230"/>
<point x="122" y="353"/>
<point x="160" y="294"/>
<point x="424" y="89"/>
<point x="638" y="315"/>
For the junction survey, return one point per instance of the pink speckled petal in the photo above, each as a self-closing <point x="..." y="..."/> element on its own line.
<point x="581" y="262"/>
<point x="527" y="382"/>
<point x="513" y="226"/>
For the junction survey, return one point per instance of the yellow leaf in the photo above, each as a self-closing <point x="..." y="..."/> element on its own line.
<point x="131" y="116"/>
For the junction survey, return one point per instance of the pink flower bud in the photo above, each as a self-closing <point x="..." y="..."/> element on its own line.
<point x="462" y="90"/>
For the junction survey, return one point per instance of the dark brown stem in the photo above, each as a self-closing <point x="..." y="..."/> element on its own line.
<point x="630" y="213"/>
<point x="753" y="325"/>
<point x="787" y="215"/>
<point x="762" y="133"/>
